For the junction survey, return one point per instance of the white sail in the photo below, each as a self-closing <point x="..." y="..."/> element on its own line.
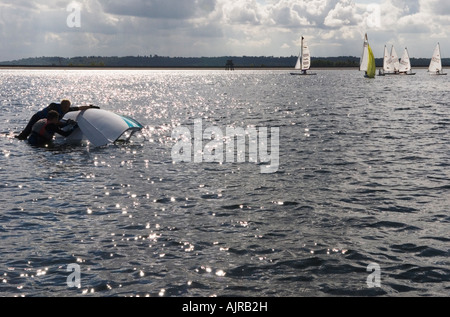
<point x="306" y="56"/>
<point x="365" y="55"/>
<point x="387" y="67"/>
<point x="303" y="60"/>
<point x="436" y="63"/>
<point x="405" y="63"/>
<point x="394" y="60"/>
<point x="298" y="66"/>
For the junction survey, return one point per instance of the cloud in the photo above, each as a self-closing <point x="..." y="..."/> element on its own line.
<point x="344" y="13"/>
<point x="290" y="13"/>
<point x="160" y="9"/>
<point x="435" y="7"/>
<point x="219" y="27"/>
<point x="242" y="12"/>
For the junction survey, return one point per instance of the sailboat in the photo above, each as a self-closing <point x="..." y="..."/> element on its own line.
<point x="304" y="60"/>
<point x="405" y="64"/>
<point x="386" y="63"/>
<point x="436" y="63"/>
<point x="392" y="65"/>
<point x="367" y="62"/>
<point x="394" y="62"/>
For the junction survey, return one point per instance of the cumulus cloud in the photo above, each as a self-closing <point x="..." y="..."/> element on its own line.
<point x="219" y="27"/>
<point x="344" y="13"/>
<point x="160" y="9"/>
<point x="435" y="7"/>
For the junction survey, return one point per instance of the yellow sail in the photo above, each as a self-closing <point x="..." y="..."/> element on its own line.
<point x="371" y="68"/>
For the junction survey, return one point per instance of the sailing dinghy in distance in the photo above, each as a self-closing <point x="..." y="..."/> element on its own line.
<point x="386" y="64"/>
<point x="304" y="60"/>
<point x="367" y="62"/>
<point x="101" y="127"/>
<point x="395" y="64"/>
<point x="391" y="65"/>
<point x="405" y="64"/>
<point x="435" y="67"/>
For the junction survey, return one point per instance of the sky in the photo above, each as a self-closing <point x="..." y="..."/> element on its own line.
<point x="195" y="28"/>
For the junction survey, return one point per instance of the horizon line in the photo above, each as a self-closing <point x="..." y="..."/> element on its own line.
<point x="195" y="57"/>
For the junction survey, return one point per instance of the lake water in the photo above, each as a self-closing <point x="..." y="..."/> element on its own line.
<point x="362" y="189"/>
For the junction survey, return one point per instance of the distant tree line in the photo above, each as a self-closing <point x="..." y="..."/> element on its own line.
<point x="156" y="61"/>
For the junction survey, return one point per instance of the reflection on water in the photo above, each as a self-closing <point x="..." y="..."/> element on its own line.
<point x="363" y="178"/>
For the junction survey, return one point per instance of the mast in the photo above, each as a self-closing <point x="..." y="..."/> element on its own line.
<point x="301" y="53"/>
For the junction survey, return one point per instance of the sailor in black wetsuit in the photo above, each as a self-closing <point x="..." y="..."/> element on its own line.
<point x="61" y="108"/>
<point x="43" y="131"/>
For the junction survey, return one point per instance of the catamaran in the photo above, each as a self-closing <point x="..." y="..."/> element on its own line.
<point x="436" y="63"/>
<point x="304" y="60"/>
<point x="367" y="62"/>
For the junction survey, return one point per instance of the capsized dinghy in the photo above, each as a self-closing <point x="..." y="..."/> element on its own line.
<point x="101" y="127"/>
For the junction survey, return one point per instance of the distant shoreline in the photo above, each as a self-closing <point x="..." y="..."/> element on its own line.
<point x="153" y="68"/>
<point x="155" y="62"/>
<point x="26" y="67"/>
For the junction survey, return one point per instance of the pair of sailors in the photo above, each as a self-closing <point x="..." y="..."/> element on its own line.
<point x="61" y="108"/>
<point x="45" y="123"/>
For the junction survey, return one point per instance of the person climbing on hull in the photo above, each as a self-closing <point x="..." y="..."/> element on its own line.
<point x="61" y="108"/>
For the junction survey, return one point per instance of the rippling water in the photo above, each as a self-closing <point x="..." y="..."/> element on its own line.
<point x="363" y="178"/>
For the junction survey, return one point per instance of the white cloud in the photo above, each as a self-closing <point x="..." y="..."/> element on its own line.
<point x="241" y="12"/>
<point x="160" y="9"/>
<point x="435" y="7"/>
<point x="344" y="13"/>
<point x="219" y="27"/>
